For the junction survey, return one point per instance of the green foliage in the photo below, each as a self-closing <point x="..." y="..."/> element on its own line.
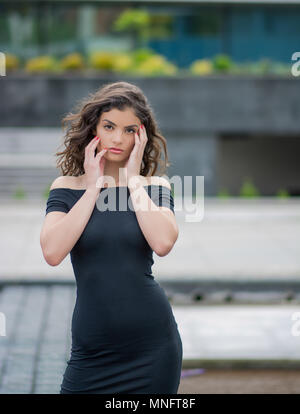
<point x="12" y="62"/>
<point x="41" y="64"/>
<point x="102" y="60"/>
<point x="143" y="61"/>
<point x="201" y="67"/>
<point x="73" y="61"/>
<point x="279" y="68"/>
<point x="223" y="193"/>
<point x="222" y="63"/>
<point x="282" y="193"/>
<point x="262" y="67"/>
<point x="248" y="189"/>
<point x="131" y="20"/>
<point x="156" y="65"/>
<point x="123" y="62"/>
<point x="45" y="193"/>
<point x="142" y="54"/>
<point x="19" y="193"/>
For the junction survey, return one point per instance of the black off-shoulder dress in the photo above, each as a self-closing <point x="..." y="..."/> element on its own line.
<point x="125" y="338"/>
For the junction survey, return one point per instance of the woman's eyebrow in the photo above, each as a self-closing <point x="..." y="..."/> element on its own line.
<point x="116" y="125"/>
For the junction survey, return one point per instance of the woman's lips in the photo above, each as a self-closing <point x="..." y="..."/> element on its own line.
<point x="115" y="151"/>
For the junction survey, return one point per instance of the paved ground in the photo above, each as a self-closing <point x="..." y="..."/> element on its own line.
<point x="236" y="240"/>
<point x="216" y="381"/>
<point x="35" y="343"/>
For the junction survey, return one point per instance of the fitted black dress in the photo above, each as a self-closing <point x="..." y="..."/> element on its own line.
<point x="124" y="335"/>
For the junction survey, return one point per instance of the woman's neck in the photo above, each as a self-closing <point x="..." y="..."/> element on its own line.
<point x="112" y="171"/>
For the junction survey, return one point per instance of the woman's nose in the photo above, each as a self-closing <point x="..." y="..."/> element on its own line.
<point x="117" y="139"/>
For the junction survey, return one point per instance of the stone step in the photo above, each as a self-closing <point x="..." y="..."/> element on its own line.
<point x="32" y="179"/>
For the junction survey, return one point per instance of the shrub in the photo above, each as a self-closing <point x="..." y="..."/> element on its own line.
<point x="41" y="64"/>
<point x="279" y="68"/>
<point x="46" y="191"/>
<point x="261" y="67"/>
<point x="201" y="67"/>
<point x="222" y="63"/>
<point x="73" y="61"/>
<point x="102" y="60"/>
<point x="248" y="189"/>
<point x="142" y="54"/>
<point x="223" y="193"/>
<point x="123" y="62"/>
<point x="156" y="65"/>
<point x="282" y="193"/>
<point x="19" y="193"/>
<point x="12" y="62"/>
<point x="132" y="20"/>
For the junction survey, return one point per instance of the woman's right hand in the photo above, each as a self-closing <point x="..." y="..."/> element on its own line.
<point x="93" y="165"/>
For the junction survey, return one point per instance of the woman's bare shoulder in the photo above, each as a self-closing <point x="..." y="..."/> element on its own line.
<point x="64" y="181"/>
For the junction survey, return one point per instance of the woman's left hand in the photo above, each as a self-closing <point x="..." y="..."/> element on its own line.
<point x="133" y="164"/>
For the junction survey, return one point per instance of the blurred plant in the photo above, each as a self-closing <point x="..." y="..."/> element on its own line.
<point x="45" y="193"/>
<point x="136" y="23"/>
<point x="12" y="62"/>
<point x="248" y="189"/>
<point x="239" y="69"/>
<point x="73" y="61"/>
<point x="223" y="193"/>
<point x="145" y="61"/>
<point x="222" y="63"/>
<point x="156" y="65"/>
<point x="282" y="193"/>
<point x="41" y="64"/>
<point x="123" y="62"/>
<point x="142" y="54"/>
<point x="161" y="25"/>
<point x="201" y="67"/>
<point x="261" y="67"/>
<point x="279" y="68"/>
<point x="102" y="60"/>
<point x="19" y="193"/>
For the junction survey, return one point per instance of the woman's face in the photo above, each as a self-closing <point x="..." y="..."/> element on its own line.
<point x="116" y="129"/>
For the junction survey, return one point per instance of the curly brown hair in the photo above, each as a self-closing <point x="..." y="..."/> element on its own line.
<point x="81" y="127"/>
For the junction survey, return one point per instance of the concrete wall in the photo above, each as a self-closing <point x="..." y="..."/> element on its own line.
<point x="272" y="162"/>
<point x="198" y="116"/>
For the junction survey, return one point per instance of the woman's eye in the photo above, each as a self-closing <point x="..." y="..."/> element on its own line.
<point x="130" y="129"/>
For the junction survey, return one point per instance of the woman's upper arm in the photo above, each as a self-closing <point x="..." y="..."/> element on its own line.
<point x="163" y="196"/>
<point x="56" y="206"/>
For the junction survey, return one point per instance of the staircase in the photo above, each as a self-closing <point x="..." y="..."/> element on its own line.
<point x="27" y="161"/>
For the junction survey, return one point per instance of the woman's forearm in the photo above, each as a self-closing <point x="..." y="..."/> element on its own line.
<point x="159" y="227"/>
<point x="62" y="236"/>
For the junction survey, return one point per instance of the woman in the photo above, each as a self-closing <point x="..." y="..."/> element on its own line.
<point x="124" y="334"/>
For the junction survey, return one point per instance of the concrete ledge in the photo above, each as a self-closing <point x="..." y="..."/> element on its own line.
<point x="202" y="292"/>
<point x="286" y="364"/>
